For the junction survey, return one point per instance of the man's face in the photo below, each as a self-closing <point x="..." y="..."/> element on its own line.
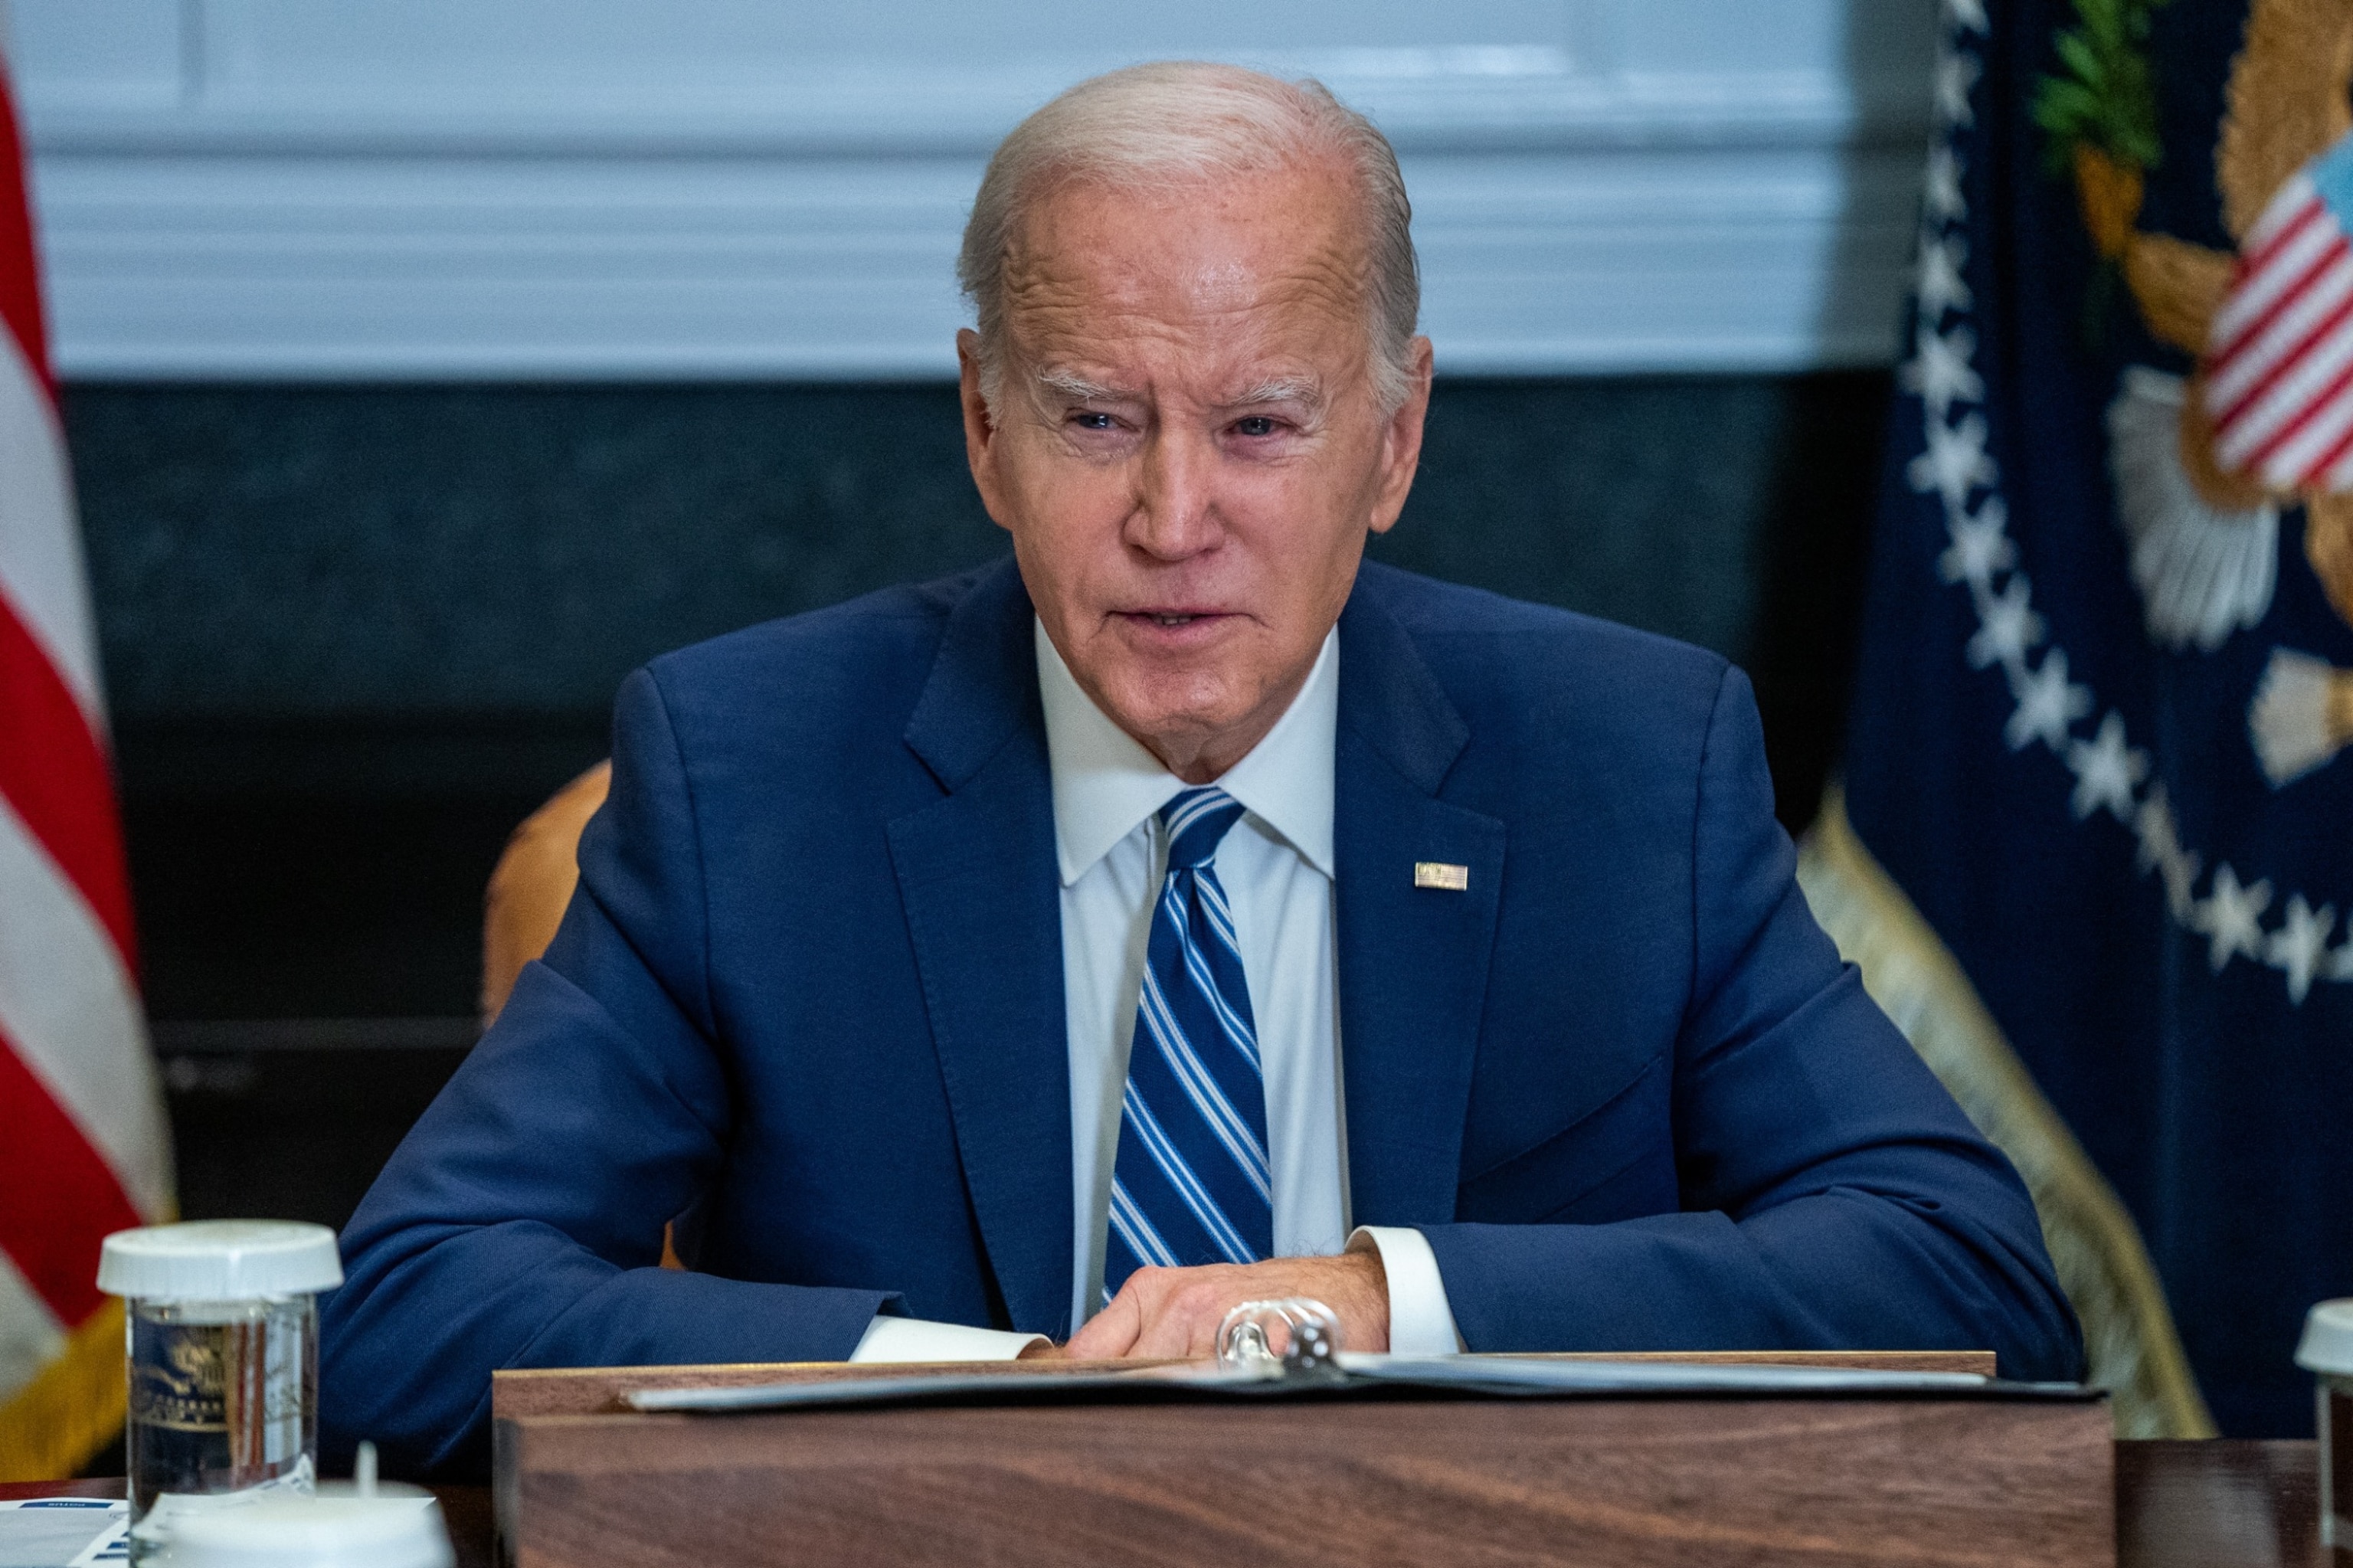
<point x="1187" y="447"/>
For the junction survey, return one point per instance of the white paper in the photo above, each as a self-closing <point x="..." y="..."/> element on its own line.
<point x="112" y="1546"/>
<point x="919" y="1385"/>
<point x="61" y="1532"/>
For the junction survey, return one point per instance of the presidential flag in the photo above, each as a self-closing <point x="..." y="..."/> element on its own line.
<point x="2279" y="382"/>
<point x="2106" y="674"/>
<point x="83" y="1146"/>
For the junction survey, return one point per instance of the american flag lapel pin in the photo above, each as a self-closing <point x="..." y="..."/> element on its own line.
<point x="1438" y="874"/>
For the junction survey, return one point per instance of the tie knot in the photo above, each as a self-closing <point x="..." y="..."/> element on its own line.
<point x="1197" y="821"/>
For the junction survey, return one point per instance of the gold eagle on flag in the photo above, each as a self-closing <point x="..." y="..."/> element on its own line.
<point x="2203" y="465"/>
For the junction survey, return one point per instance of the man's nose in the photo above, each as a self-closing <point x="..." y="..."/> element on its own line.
<point x="1175" y="513"/>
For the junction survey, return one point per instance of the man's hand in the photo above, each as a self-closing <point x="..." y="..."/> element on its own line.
<point x="1176" y="1311"/>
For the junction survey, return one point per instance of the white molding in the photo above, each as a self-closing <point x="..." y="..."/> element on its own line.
<point x="212" y="209"/>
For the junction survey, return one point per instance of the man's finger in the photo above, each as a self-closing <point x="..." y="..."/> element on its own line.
<point x="1183" y="1321"/>
<point x="1110" y="1332"/>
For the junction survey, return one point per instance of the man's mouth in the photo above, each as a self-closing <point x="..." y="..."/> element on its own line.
<point x="1172" y="619"/>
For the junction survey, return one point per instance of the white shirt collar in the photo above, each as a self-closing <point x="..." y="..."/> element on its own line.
<point x="1105" y="783"/>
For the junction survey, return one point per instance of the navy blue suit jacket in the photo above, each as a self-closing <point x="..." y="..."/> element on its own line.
<point x="807" y="1003"/>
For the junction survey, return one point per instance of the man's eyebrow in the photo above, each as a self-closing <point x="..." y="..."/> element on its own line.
<point x="1280" y="389"/>
<point x="1275" y="389"/>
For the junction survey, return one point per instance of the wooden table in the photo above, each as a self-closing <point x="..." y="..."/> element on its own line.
<point x="2179" y="1505"/>
<point x="2220" y="1505"/>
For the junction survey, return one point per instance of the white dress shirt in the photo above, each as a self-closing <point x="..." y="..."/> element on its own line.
<point x="1275" y="866"/>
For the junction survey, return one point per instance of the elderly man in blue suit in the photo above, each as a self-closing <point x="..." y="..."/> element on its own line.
<point x="1046" y="960"/>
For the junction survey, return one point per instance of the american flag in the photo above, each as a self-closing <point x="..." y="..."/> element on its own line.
<point x="83" y="1145"/>
<point x="2279" y="364"/>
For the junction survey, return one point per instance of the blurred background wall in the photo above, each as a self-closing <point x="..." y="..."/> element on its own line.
<point x="428" y="366"/>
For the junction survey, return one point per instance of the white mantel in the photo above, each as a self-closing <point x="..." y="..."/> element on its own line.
<point x="614" y="189"/>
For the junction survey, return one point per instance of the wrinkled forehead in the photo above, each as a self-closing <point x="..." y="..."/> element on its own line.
<point x="1252" y="267"/>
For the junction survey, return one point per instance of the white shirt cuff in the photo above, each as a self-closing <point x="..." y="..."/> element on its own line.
<point x="1421" y="1320"/>
<point x="915" y="1340"/>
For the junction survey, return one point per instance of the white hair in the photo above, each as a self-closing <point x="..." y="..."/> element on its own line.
<point x="1172" y="123"/>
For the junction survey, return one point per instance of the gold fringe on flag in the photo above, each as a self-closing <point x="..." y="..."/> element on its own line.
<point x="58" y="1422"/>
<point x="2128" y="1333"/>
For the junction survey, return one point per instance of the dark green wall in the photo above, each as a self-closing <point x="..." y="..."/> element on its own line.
<point x="284" y="553"/>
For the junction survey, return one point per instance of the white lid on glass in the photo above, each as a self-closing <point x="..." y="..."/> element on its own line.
<point x="219" y="1260"/>
<point x="2327" y="1344"/>
<point x="314" y="1533"/>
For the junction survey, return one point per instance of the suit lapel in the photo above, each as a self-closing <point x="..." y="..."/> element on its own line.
<point x="1413" y="960"/>
<point x="976" y="874"/>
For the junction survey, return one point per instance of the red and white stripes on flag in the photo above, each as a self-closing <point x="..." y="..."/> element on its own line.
<point x="2279" y="363"/>
<point x="83" y="1145"/>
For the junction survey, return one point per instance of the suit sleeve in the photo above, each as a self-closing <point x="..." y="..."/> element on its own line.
<point x="1834" y="1194"/>
<point x="520" y="1223"/>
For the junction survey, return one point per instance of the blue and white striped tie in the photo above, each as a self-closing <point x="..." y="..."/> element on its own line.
<point x="1191" y="1184"/>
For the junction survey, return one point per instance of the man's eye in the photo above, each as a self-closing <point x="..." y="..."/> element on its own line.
<point x="1254" y="425"/>
<point x="1088" y="419"/>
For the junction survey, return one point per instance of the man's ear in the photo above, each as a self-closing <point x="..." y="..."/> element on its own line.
<point x="979" y="424"/>
<point x="1401" y="440"/>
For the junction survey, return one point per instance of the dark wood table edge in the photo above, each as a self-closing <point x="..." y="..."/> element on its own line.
<point x="2221" y="1504"/>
